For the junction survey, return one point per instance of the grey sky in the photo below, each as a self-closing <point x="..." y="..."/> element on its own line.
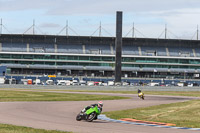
<point x="84" y="16"/>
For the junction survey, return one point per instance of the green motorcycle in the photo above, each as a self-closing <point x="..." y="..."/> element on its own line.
<point x="89" y="115"/>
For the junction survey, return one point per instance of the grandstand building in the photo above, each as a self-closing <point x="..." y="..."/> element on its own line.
<point x="95" y="56"/>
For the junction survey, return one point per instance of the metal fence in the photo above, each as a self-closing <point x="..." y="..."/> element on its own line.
<point x="103" y="88"/>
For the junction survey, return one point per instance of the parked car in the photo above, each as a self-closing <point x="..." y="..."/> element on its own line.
<point x="82" y="83"/>
<point x="61" y="82"/>
<point x="75" y="82"/>
<point x="90" y="83"/>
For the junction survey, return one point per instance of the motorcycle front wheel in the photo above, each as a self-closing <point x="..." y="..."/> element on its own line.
<point x="91" y="117"/>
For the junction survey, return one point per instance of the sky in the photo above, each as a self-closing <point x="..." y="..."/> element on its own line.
<point x="83" y="17"/>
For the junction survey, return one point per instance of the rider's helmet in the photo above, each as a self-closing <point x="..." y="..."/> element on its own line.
<point x="139" y="91"/>
<point x="100" y="104"/>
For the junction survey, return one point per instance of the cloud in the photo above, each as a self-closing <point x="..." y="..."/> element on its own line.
<point x="105" y="7"/>
<point x="19" y="5"/>
<point x="91" y="7"/>
<point x="149" y="16"/>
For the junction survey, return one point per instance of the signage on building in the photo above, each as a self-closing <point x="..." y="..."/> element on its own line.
<point x="52" y="76"/>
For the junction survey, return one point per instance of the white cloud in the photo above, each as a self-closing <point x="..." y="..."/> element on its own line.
<point x="60" y="7"/>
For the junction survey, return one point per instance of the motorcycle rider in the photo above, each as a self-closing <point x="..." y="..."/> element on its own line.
<point x="99" y="105"/>
<point x="140" y="93"/>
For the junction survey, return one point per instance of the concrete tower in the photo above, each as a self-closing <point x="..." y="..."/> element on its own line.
<point x="118" y="48"/>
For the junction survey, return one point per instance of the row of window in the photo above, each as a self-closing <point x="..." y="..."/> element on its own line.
<point x="98" y="58"/>
<point x="56" y="57"/>
<point x="97" y="64"/>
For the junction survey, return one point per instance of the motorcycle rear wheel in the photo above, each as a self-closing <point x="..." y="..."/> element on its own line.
<point x="142" y="97"/>
<point x="78" y="117"/>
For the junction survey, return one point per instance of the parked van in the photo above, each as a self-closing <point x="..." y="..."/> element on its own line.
<point x="68" y="82"/>
<point x="111" y="83"/>
<point x="104" y="84"/>
<point x="37" y="82"/>
<point x="90" y="83"/>
<point x="61" y="82"/>
<point x="2" y="80"/>
<point x="153" y="84"/>
<point x="181" y="84"/>
<point x="49" y="82"/>
<point x="125" y="83"/>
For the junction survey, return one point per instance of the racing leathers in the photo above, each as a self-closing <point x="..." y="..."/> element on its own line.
<point x="91" y="106"/>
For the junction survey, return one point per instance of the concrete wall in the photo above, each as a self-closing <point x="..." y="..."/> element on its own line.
<point x="52" y="39"/>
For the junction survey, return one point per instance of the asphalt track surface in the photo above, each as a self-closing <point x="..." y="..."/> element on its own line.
<point x="61" y="115"/>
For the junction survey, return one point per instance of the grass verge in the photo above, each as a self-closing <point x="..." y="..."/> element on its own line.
<point x="170" y="93"/>
<point x="184" y="114"/>
<point x="14" y="95"/>
<point x="5" y="128"/>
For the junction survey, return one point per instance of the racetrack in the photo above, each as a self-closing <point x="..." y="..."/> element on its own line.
<point x="61" y="115"/>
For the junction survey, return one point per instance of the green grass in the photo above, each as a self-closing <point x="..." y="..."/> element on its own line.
<point x="175" y="93"/>
<point x="171" y="93"/>
<point x="184" y="114"/>
<point x="14" y="95"/>
<point x="5" y="128"/>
